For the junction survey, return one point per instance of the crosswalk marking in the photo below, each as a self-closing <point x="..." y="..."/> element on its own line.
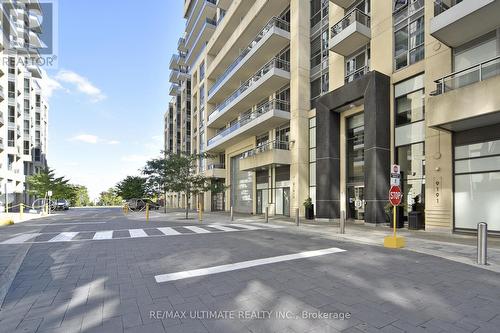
<point x="197" y="230"/>
<point x="267" y="225"/>
<point x="169" y="231"/>
<point x="133" y="233"/>
<point x="103" y="235"/>
<point x="20" y="239"/>
<point x="222" y="228"/>
<point x="244" y="264"/>
<point x="64" y="237"/>
<point x="246" y="226"/>
<point x="136" y="233"/>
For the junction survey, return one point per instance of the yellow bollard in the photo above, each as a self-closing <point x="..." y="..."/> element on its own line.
<point x="21" y="211"/>
<point x="147" y="212"/>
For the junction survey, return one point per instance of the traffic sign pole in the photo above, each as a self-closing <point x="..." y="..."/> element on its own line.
<point x="395" y="195"/>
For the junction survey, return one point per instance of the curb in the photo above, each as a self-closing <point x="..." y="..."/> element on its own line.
<point x="7" y="222"/>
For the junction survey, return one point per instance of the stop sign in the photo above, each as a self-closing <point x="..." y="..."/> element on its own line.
<point x="395" y="195"/>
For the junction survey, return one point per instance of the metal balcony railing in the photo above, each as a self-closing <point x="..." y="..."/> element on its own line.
<point x="267" y="146"/>
<point x="465" y="77"/>
<point x="274" y="22"/>
<point x="274" y="63"/>
<point x="351" y="76"/>
<point x="353" y="16"/>
<point x="274" y="104"/>
<point x="440" y="6"/>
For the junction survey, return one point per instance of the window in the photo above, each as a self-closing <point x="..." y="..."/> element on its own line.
<point x="318" y="88"/>
<point x="357" y="64"/>
<point x="12" y="66"/>
<point x="12" y="114"/>
<point x="38" y="101"/>
<point x="319" y="10"/>
<point x="202" y="71"/>
<point x="26" y="127"/>
<point x="12" y="89"/>
<point x="408" y="33"/>
<point x="37" y="118"/>
<point x="11" y="138"/>
<point x="26" y="86"/>
<point x="312" y="159"/>
<point x="26" y="147"/>
<point x="10" y="161"/>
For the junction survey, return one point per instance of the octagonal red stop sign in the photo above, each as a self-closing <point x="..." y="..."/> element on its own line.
<point x="395" y="195"/>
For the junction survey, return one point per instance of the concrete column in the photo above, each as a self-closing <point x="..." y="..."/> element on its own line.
<point x="300" y="101"/>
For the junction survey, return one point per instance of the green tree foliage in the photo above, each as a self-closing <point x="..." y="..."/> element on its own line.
<point x="109" y="198"/>
<point x="177" y="173"/>
<point x="79" y="196"/>
<point x="132" y="187"/>
<point x="39" y="184"/>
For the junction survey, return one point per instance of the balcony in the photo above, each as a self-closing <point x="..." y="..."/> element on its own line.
<point x="270" y="40"/>
<point x="266" y="117"/>
<point x="174" y="62"/>
<point x="200" y="9"/>
<point x="181" y="44"/>
<point x="272" y="76"/>
<point x="208" y="10"/>
<point x="467" y="99"/>
<point x="217" y="170"/>
<point x="457" y="22"/>
<point x="2" y="96"/>
<point x="206" y="31"/>
<point x="35" y="24"/>
<point x="343" y="3"/>
<point x="174" y="89"/>
<point x="35" y="71"/>
<point x="1" y="145"/>
<point x="271" y="153"/>
<point x="350" y="33"/>
<point x="2" y="121"/>
<point x="176" y="75"/>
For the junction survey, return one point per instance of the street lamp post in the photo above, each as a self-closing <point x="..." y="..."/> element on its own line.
<point x="49" y="194"/>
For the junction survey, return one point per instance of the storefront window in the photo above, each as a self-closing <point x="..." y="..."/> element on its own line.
<point x="356" y="149"/>
<point x="312" y="159"/>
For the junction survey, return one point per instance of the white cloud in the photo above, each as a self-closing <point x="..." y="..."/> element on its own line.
<point x="93" y="139"/>
<point x="81" y="83"/>
<point x="49" y="85"/>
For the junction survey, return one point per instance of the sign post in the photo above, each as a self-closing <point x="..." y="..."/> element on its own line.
<point x="395" y="197"/>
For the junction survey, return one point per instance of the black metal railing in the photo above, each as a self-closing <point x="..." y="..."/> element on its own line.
<point x="353" y="16"/>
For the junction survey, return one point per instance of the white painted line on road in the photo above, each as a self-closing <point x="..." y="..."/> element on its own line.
<point x="267" y="225"/>
<point x="65" y="224"/>
<point x="169" y="231"/>
<point x="243" y="264"/>
<point x="64" y="237"/>
<point x="103" y="235"/>
<point x="220" y="227"/>
<point x="20" y="239"/>
<point x="136" y="233"/>
<point x="197" y="230"/>
<point x="246" y="226"/>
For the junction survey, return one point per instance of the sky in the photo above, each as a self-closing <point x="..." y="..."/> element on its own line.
<point x="109" y="91"/>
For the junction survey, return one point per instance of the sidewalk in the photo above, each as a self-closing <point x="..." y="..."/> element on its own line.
<point x="456" y="247"/>
<point x="16" y="217"/>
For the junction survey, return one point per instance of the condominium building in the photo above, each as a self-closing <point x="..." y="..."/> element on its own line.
<point x="317" y="98"/>
<point x="23" y="110"/>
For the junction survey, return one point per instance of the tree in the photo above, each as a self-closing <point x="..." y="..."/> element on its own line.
<point x="39" y="184"/>
<point x="109" y="198"/>
<point x="79" y="196"/>
<point x="177" y="173"/>
<point x="131" y="187"/>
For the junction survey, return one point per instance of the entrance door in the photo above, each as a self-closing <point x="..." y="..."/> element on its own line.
<point x="356" y="202"/>
<point x="259" y="202"/>
<point x="286" y="201"/>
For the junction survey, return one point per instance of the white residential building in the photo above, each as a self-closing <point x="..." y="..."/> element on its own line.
<point x="23" y="109"/>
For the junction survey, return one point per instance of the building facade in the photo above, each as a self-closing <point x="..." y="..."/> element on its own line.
<point x="317" y="98"/>
<point x="23" y="109"/>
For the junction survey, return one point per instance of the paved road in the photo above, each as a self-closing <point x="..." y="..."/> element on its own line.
<point x="95" y="270"/>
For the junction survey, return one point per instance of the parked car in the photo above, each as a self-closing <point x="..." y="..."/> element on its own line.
<point x="60" y="204"/>
<point x="152" y="205"/>
<point x="136" y="204"/>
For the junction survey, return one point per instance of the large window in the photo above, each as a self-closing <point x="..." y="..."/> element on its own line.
<point x="355" y="139"/>
<point x="477" y="185"/>
<point x="319" y="10"/>
<point x="357" y="64"/>
<point x="319" y="49"/>
<point x="408" y="33"/>
<point x="410" y="137"/>
<point x="318" y="87"/>
<point x="312" y="159"/>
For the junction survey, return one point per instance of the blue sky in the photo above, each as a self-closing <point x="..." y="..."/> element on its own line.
<point x="110" y="89"/>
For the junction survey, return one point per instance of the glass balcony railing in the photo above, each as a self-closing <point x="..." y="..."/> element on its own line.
<point x="440" y="6"/>
<point x="274" y="22"/>
<point x="274" y="63"/>
<point x="267" y="146"/>
<point x="353" y="16"/>
<point x="465" y="77"/>
<point x="274" y="104"/>
<point x="216" y="166"/>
